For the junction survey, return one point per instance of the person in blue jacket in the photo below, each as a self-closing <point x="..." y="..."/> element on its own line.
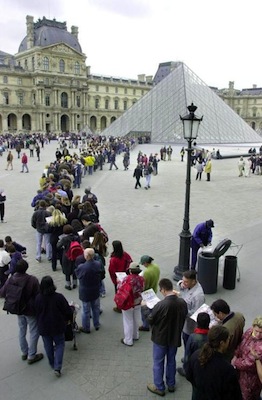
<point x="202" y="236"/>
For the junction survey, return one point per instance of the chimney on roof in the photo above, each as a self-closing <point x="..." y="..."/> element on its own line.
<point x="141" y="77"/>
<point x="74" y="31"/>
<point x="254" y="86"/>
<point x="30" y="31"/>
<point x="149" y="78"/>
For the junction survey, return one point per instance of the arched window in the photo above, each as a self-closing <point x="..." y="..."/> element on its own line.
<point x="46" y="63"/>
<point x="64" y="100"/>
<point x="77" y="68"/>
<point x="62" y="66"/>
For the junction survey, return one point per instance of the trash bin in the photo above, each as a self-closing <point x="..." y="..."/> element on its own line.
<point x="207" y="271"/>
<point x="230" y="272"/>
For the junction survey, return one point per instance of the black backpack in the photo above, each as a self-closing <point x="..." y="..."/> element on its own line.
<point x="15" y="302"/>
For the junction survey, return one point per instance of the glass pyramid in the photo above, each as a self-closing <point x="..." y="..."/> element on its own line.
<point x="158" y="113"/>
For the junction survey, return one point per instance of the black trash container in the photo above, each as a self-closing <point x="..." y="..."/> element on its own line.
<point x="230" y="272"/>
<point x="207" y="272"/>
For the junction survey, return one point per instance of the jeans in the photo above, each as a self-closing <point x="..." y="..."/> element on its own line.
<point x="160" y="353"/>
<point x="148" y="180"/>
<point x="54" y="348"/>
<point x="24" y="166"/>
<point x="102" y="289"/>
<point x="144" y="314"/>
<point x="90" y="170"/>
<point x="87" y="306"/>
<point x="28" y="348"/>
<point x="39" y="239"/>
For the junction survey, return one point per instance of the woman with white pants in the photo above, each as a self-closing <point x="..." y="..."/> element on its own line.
<point x="132" y="316"/>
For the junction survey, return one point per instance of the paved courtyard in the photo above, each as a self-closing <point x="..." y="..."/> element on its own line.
<point x="147" y="222"/>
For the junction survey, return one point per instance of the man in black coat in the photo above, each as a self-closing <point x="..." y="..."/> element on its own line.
<point x="138" y="173"/>
<point x="167" y="320"/>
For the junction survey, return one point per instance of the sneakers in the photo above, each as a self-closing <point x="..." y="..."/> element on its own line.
<point x="153" y="389"/>
<point x="24" y="357"/>
<point x="143" y="329"/>
<point x="171" y="389"/>
<point x="67" y="287"/>
<point x="38" y="260"/>
<point x="57" y="373"/>
<point x="36" y="358"/>
<point x="81" y="329"/>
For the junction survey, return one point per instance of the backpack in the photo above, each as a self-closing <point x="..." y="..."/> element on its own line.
<point x="124" y="297"/>
<point x="103" y="232"/>
<point x="75" y="249"/>
<point x="15" y="302"/>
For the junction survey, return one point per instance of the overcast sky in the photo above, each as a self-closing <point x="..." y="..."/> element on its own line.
<point x="218" y="40"/>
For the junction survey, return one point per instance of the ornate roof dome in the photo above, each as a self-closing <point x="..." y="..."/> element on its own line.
<point x="47" y="32"/>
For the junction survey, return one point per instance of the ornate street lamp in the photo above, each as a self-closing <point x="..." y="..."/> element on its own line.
<point x="190" y="130"/>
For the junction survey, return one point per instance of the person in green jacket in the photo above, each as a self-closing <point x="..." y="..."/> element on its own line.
<point x="151" y="277"/>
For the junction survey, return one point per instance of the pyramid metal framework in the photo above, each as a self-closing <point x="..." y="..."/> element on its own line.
<point x="158" y="113"/>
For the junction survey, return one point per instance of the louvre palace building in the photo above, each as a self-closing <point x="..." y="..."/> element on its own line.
<point x="47" y="87"/>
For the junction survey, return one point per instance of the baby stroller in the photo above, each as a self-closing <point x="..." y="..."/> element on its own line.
<point x="72" y="327"/>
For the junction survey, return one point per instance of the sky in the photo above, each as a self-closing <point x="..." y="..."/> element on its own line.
<point x="219" y="41"/>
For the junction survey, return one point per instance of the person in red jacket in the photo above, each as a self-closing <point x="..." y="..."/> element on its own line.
<point x="24" y="163"/>
<point x="119" y="262"/>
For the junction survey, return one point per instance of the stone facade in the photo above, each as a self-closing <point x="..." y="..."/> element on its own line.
<point x="47" y="87"/>
<point x="247" y="103"/>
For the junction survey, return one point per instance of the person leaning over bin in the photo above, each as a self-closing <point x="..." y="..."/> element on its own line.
<point x="202" y="236"/>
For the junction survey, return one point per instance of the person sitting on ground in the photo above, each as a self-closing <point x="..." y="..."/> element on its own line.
<point x="15" y="257"/>
<point x="4" y="263"/>
<point x="18" y="247"/>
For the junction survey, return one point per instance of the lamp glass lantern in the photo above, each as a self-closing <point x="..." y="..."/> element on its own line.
<point x="191" y="123"/>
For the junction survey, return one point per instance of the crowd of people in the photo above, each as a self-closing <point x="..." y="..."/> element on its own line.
<point x="220" y="361"/>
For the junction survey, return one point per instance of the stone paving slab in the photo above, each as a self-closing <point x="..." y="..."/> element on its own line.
<point x="147" y="222"/>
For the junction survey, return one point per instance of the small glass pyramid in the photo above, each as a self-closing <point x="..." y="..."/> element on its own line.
<point x="158" y="113"/>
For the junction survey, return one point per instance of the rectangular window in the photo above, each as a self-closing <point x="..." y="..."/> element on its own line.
<point x="106" y="104"/>
<point x="125" y="90"/>
<point x="19" y="81"/>
<point x="96" y="103"/>
<point x="5" y="79"/>
<point x="78" y="101"/>
<point x="107" y="89"/>
<point x="47" y="100"/>
<point x="6" y="98"/>
<point x="134" y="92"/>
<point x="116" y="89"/>
<point x="97" y="88"/>
<point x="116" y="104"/>
<point x="20" y="98"/>
<point x="125" y="105"/>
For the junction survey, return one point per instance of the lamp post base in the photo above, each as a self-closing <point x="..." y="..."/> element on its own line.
<point x="184" y="255"/>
